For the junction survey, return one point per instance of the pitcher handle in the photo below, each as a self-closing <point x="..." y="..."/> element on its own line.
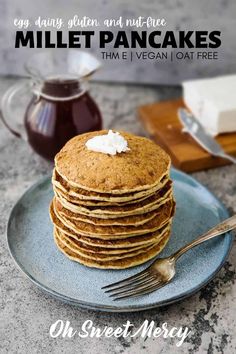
<point x="6" y="101"/>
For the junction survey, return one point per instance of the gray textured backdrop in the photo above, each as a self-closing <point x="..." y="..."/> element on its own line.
<point x="182" y="14"/>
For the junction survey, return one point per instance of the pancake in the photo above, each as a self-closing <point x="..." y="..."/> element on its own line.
<point x="127" y="220"/>
<point x="81" y="195"/>
<point x="114" y="242"/>
<point x="98" y="249"/>
<point x="147" y="205"/>
<point x="100" y="256"/>
<point x="95" y="203"/>
<point x="163" y="215"/>
<point x="112" y="211"/>
<point x="140" y="168"/>
<point x="91" y="202"/>
<point x="115" y="264"/>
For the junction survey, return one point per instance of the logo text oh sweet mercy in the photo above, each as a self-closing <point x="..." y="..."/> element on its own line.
<point x="147" y="329"/>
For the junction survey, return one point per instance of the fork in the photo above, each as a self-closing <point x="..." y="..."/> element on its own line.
<point x="162" y="270"/>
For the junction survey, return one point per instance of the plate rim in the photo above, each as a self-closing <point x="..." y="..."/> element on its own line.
<point x="113" y="308"/>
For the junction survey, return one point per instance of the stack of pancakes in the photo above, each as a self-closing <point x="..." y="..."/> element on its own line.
<point x="112" y="211"/>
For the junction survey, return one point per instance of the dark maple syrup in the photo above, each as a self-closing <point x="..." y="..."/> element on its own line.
<point x="61" y="111"/>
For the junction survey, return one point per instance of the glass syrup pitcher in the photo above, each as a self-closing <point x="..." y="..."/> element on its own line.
<point x="59" y="105"/>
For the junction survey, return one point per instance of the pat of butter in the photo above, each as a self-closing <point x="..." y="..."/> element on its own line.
<point x="213" y="103"/>
<point x="110" y="143"/>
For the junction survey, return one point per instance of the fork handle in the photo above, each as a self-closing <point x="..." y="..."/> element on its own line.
<point x="225" y="226"/>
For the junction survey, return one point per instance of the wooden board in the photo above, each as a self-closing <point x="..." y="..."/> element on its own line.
<point x="162" y="123"/>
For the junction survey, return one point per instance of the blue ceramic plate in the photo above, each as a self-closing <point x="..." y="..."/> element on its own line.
<point x="30" y="240"/>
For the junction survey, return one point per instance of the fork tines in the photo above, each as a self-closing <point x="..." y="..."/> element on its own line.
<point x="139" y="284"/>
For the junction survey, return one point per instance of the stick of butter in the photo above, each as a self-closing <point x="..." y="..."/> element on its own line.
<point x="213" y="103"/>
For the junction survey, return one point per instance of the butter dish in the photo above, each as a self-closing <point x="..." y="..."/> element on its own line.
<point x="212" y="102"/>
